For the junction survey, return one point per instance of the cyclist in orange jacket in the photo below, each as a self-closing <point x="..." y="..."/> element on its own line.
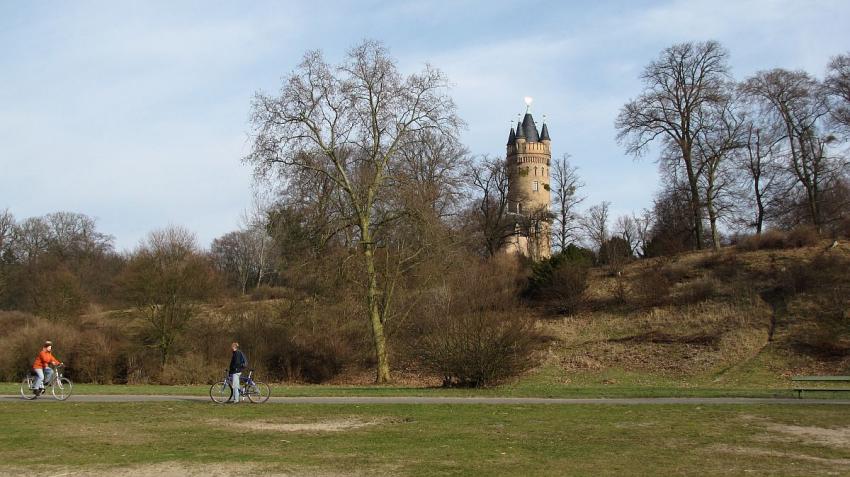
<point x="42" y="364"/>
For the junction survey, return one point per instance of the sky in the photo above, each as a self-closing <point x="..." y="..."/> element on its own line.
<point x="137" y="113"/>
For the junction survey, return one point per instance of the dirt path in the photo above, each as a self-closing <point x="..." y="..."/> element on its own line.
<point x="95" y="398"/>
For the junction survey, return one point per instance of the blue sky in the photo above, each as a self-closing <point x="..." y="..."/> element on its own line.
<point x="136" y="113"/>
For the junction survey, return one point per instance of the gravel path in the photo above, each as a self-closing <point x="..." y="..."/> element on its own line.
<point x="95" y="398"/>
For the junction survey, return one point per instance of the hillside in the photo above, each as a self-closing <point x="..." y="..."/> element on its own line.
<point x="729" y="319"/>
<point x="736" y="319"/>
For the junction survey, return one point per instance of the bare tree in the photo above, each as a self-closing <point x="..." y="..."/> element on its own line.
<point x="837" y="84"/>
<point x="565" y="190"/>
<point x="595" y="224"/>
<point x="348" y="124"/>
<point x="796" y="102"/>
<point x="165" y="277"/>
<point x="257" y="222"/>
<point x="429" y="177"/>
<point x="758" y="162"/>
<point x="628" y="229"/>
<point x="715" y="143"/>
<point x="489" y="181"/>
<point x="31" y="240"/>
<point x="7" y="229"/>
<point x="678" y="86"/>
<point x="239" y="257"/>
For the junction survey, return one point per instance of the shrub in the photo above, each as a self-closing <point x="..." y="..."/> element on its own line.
<point x="652" y="286"/>
<point x="307" y="342"/>
<point x="93" y="350"/>
<point x="561" y="281"/>
<point x="566" y="292"/>
<point x="698" y="290"/>
<point x="191" y="369"/>
<point x="801" y="236"/>
<point x="266" y="292"/>
<point x="616" y="253"/>
<point x="478" y="349"/>
<point x="768" y="240"/>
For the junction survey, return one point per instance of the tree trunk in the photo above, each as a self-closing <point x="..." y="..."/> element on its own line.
<point x="759" y="206"/>
<point x="382" y="373"/>
<point x="696" y="210"/>
<point x="715" y="235"/>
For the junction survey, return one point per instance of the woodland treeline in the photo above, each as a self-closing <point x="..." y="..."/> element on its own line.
<point x="373" y="240"/>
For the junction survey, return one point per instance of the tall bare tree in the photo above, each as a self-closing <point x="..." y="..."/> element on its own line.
<point x="796" y="102"/>
<point x="489" y="181"/>
<point x="256" y="221"/>
<point x="837" y="84"/>
<point x="758" y="162"/>
<point x="678" y="86"/>
<point x="628" y="228"/>
<point x="595" y="224"/>
<point x="566" y="184"/>
<point x="348" y="124"/>
<point x="7" y="228"/>
<point x="165" y="278"/>
<point x="716" y="142"/>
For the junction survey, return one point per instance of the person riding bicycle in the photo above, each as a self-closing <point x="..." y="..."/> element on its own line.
<point x="238" y="362"/>
<point x="41" y="366"/>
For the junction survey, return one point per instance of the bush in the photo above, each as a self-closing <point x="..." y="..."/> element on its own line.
<point x="800" y="236"/>
<point x="91" y="351"/>
<point x="307" y="342"/>
<point x="561" y="281"/>
<point x="266" y="292"/>
<point x="478" y="349"/>
<point x="615" y="253"/>
<point x="698" y="290"/>
<point x="191" y="369"/>
<point x="768" y="240"/>
<point x="566" y="292"/>
<point x="652" y="286"/>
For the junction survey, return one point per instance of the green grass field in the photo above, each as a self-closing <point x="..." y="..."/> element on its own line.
<point x="183" y="438"/>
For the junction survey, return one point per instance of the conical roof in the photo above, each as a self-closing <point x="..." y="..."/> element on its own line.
<point x="544" y="133"/>
<point x="529" y="129"/>
<point x="511" y="138"/>
<point x="519" y="132"/>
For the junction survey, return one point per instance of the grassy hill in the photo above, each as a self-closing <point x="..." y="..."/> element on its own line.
<point x="734" y="319"/>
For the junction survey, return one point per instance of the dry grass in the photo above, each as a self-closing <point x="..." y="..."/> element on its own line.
<point x="701" y="317"/>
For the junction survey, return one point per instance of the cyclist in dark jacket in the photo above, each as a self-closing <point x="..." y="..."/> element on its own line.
<point x="238" y="362"/>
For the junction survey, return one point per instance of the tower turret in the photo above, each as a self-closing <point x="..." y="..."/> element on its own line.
<point x="528" y="158"/>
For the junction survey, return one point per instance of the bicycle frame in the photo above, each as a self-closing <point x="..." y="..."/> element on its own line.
<point x="54" y="382"/>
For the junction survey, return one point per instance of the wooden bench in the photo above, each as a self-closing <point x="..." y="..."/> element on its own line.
<point x="814" y="379"/>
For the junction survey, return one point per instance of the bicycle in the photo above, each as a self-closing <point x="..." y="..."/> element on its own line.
<point x="256" y="391"/>
<point x="60" y="386"/>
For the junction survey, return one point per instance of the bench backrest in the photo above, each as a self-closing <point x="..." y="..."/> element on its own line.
<point x="820" y="378"/>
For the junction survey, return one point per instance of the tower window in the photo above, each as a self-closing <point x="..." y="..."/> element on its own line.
<point x="535" y="171"/>
<point x="535" y="186"/>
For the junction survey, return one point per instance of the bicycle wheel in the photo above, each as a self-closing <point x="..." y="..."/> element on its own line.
<point x="220" y="392"/>
<point x="258" y="392"/>
<point x="62" y="388"/>
<point x="27" y="392"/>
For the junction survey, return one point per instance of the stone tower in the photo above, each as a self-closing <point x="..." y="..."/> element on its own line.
<point x="528" y="158"/>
